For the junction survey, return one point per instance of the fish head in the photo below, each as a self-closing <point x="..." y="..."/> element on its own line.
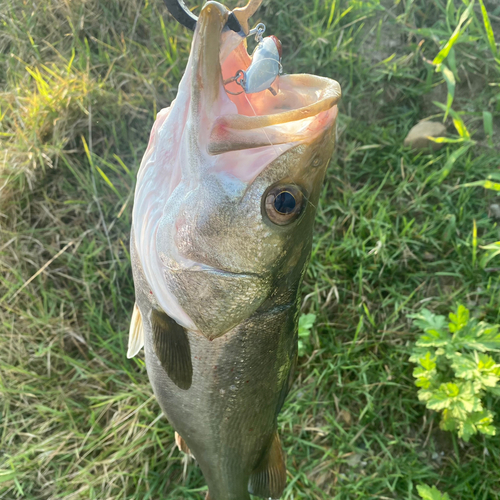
<point x="227" y="191"/>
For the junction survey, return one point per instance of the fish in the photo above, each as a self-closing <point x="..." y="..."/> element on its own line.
<point x="221" y="237"/>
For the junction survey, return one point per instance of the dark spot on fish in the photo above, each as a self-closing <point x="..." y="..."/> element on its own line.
<point x="247" y="381"/>
<point x="251" y="429"/>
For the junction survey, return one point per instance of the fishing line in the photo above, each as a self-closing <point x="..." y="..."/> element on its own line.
<point x="262" y="128"/>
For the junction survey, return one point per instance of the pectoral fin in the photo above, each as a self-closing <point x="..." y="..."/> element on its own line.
<point x="171" y="345"/>
<point x="268" y="480"/>
<point x="135" y="334"/>
<point x="181" y="444"/>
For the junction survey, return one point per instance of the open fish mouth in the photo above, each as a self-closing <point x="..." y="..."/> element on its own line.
<point x="299" y="107"/>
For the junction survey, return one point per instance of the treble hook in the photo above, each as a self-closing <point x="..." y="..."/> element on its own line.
<point x="184" y="16"/>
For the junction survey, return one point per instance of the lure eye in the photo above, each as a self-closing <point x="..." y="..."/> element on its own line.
<point x="283" y="204"/>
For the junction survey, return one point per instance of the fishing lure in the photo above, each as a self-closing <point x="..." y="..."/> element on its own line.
<point x="264" y="68"/>
<point x="266" y="58"/>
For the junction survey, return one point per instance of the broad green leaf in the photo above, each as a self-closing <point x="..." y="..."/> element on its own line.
<point x="488" y="430"/>
<point x="448" y="423"/>
<point x="424" y="379"/>
<point x="301" y="348"/>
<point x="489" y="30"/>
<point x="434" y="326"/>
<point x="478" y="367"/>
<point x="478" y="337"/>
<point x="428" y="493"/>
<point x="459" y="398"/>
<point x="463" y="365"/>
<point x="444" y="396"/>
<point x="420" y="352"/>
<point x="428" y="362"/>
<point x="426" y="373"/>
<point x="443" y="53"/>
<point x="425" y="394"/>
<point x="434" y="338"/>
<point x="477" y="422"/>
<point x="459" y="320"/>
<point x="426" y="319"/>
<point x="482" y="419"/>
<point x="466" y="430"/>
<point x="306" y="322"/>
<point x="488" y="337"/>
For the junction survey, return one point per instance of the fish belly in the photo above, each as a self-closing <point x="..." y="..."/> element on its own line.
<point x="228" y="415"/>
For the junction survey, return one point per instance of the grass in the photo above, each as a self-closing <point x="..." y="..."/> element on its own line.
<point x="80" y="84"/>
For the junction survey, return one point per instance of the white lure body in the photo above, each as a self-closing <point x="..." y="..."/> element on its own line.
<point x="265" y="66"/>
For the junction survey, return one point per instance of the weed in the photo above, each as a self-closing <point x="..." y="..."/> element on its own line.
<point x="455" y="372"/>
<point x="394" y="232"/>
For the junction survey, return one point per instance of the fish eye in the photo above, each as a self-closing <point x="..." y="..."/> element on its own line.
<point x="283" y="204"/>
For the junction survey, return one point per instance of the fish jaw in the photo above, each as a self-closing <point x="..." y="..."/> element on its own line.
<point x="199" y="226"/>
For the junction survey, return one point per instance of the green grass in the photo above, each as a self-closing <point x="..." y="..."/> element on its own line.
<point x="80" y="83"/>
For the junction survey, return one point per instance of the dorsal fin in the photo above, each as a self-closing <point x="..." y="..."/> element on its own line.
<point x="268" y="480"/>
<point x="135" y="334"/>
<point x="171" y="345"/>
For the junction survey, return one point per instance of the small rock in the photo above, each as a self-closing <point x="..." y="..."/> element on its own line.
<point x="429" y="256"/>
<point x="354" y="460"/>
<point x="417" y="137"/>
<point x="345" y="416"/>
<point x="495" y="210"/>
